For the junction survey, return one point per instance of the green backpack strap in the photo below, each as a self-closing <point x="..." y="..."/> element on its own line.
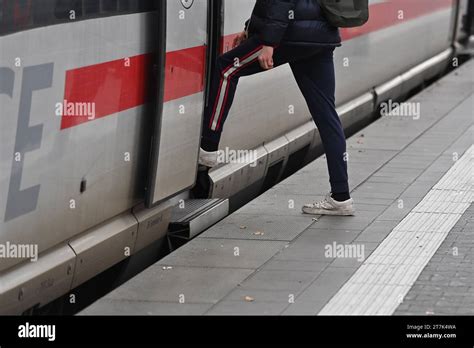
<point x="345" y="13"/>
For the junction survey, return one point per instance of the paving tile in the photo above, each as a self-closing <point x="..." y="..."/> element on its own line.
<point x="345" y="223"/>
<point x="228" y="307"/>
<point x="226" y="253"/>
<point x="362" y="207"/>
<point x="314" y="266"/>
<point x="395" y="213"/>
<point x="326" y="285"/>
<point x="372" y="194"/>
<point x="395" y="142"/>
<point x="417" y="190"/>
<point x="315" y="190"/>
<point x="198" y="285"/>
<point x="392" y="179"/>
<point x="260" y="227"/>
<point x="322" y="237"/>
<point x="411" y="173"/>
<point x="371" y="200"/>
<point x="368" y="215"/>
<point x="288" y="280"/>
<point x="373" y="234"/>
<point x="127" y="307"/>
<point x="288" y="206"/>
<point x="261" y="295"/>
<point x="304" y="252"/>
<point x="329" y="234"/>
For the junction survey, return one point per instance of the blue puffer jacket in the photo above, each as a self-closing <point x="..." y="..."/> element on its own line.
<point x="295" y="22"/>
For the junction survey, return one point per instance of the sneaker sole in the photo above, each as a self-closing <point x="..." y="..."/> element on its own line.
<point x="310" y="211"/>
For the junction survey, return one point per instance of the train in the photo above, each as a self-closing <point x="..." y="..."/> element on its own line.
<point x="101" y="105"/>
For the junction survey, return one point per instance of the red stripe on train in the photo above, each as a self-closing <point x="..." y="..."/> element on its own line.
<point x="120" y="85"/>
<point x="184" y="72"/>
<point x="390" y="13"/>
<point x="110" y="87"/>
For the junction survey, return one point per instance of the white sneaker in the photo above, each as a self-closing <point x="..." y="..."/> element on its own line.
<point x="208" y="159"/>
<point x="329" y="206"/>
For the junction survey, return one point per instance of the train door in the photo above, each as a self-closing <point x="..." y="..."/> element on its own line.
<point x="180" y="101"/>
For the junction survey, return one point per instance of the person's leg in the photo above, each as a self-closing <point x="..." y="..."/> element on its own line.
<point x="316" y="78"/>
<point x="241" y="61"/>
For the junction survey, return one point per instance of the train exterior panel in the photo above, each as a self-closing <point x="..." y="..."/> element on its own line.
<point x="41" y="194"/>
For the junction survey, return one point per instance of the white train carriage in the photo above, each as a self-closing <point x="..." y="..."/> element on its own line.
<point x="101" y="107"/>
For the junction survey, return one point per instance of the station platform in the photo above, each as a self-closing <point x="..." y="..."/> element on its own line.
<point x="408" y="250"/>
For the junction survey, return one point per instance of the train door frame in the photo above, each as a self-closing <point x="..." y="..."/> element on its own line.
<point x="159" y="89"/>
<point x="215" y="30"/>
<point x="212" y="25"/>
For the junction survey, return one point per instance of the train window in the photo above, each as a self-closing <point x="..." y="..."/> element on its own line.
<point x="15" y="14"/>
<point x="125" y="5"/>
<point x="18" y="15"/>
<point x="109" y="5"/>
<point x="1" y="11"/>
<point x="91" y="7"/>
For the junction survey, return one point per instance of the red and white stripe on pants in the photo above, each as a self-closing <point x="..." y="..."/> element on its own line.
<point x="227" y="74"/>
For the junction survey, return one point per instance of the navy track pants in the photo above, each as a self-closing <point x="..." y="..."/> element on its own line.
<point x="313" y="69"/>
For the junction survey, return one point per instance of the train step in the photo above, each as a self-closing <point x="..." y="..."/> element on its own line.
<point x="193" y="216"/>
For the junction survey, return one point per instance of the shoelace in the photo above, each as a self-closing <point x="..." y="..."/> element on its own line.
<point x="322" y="204"/>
